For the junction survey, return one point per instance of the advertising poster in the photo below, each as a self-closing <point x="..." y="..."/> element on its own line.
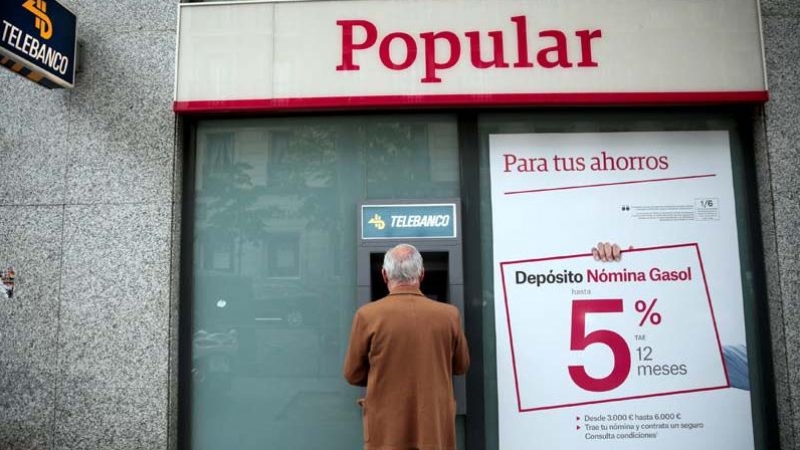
<point x="645" y="352"/>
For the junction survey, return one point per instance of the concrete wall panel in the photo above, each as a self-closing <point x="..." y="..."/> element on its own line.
<point x="782" y="48"/>
<point x="29" y="323"/>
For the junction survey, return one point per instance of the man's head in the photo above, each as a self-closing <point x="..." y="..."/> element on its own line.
<point x="402" y="265"/>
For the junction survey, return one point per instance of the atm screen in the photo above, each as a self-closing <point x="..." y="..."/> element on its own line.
<point x="435" y="284"/>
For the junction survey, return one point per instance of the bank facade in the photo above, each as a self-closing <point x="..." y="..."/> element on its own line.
<point x="194" y="223"/>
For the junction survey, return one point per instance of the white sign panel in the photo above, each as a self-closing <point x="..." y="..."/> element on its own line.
<point x="339" y="54"/>
<point x="645" y="352"/>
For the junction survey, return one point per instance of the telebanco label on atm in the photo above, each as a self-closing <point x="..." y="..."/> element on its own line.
<point x="408" y="221"/>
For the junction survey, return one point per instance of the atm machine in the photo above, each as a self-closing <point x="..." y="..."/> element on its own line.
<point x="433" y="227"/>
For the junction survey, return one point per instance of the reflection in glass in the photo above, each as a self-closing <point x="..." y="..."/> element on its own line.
<point x="274" y="267"/>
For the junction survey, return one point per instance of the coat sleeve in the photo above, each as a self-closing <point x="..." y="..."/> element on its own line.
<point x="460" y="349"/>
<point x="356" y="362"/>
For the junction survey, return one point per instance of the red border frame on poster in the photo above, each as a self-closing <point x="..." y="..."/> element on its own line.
<point x="581" y="255"/>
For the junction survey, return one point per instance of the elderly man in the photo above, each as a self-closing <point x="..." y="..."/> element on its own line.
<point x="405" y="348"/>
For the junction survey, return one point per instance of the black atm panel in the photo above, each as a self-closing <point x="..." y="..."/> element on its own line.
<point x="435" y="284"/>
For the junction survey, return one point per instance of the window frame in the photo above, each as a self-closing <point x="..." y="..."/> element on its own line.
<point x="471" y="193"/>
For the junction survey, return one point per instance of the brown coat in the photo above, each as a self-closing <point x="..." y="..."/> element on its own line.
<point x="405" y="349"/>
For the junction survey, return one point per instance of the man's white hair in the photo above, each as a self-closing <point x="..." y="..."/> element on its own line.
<point x="403" y="264"/>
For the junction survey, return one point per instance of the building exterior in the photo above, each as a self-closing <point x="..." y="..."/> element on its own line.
<point x="185" y="269"/>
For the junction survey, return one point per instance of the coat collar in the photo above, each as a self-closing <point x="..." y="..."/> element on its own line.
<point x="408" y="290"/>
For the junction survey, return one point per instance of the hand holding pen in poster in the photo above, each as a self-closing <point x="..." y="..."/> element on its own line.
<point x="7" y="277"/>
<point x="606" y="251"/>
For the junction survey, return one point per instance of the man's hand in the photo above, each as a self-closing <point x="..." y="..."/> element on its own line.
<point x="606" y="251"/>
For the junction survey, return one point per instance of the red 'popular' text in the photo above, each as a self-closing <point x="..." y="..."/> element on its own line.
<point x="552" y="52"/>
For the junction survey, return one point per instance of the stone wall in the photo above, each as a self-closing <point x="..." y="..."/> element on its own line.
<point x="86" y="216"/>
<point x="778" y="163"/>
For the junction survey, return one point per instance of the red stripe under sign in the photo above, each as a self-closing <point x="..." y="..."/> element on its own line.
<point x="472" y="100"/>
